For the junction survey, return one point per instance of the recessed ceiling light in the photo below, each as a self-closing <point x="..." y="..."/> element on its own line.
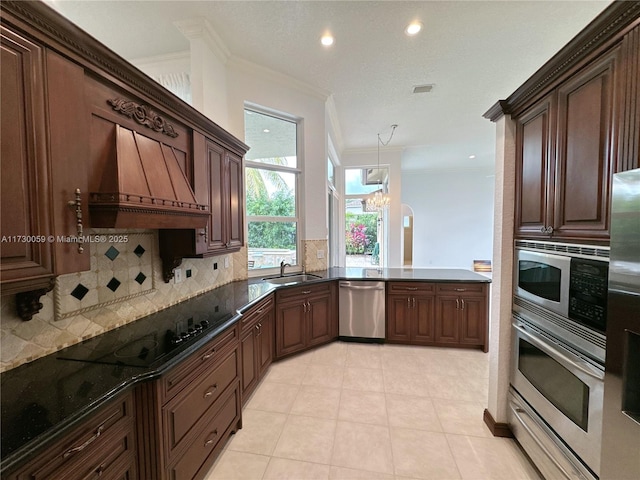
<point x="413" y="28"/>
<point x="326" y="39"/>
<point x="266" y="130"/>
<point x="472" y="157"/>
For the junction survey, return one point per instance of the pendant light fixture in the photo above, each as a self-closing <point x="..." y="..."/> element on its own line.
<point x="379" y="200"/>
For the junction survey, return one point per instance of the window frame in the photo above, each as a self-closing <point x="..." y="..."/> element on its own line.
<point x="298" y="172"/>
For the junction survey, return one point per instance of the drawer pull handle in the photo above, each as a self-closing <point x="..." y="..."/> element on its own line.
<point x="211" y="440"/>
<point x="257" y="327"/>
<point x="260" y="310"/>
<point x="412" y="289"/>
<point x="211" y="391"/>
<point x="209" y="355"/>
<point x="89" y="441"/>
<point x="460" y="289"/>
<point x="76" y="205"/>
<point x="306" y="292"/>
<point x="462" y="300"/>
<point x="457" y="304"/>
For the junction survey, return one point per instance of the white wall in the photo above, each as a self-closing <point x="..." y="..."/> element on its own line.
<point x="452" y="216"/>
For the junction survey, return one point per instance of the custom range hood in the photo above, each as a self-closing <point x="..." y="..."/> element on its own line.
<point x="142" y="185"/>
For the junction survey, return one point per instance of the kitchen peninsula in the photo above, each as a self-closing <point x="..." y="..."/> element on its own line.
<point x="138" y="385"/>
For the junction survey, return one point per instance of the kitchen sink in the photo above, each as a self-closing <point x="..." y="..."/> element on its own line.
<point x="289" y="279"/>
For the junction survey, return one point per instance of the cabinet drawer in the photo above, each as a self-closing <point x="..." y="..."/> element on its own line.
<point x="462" y="288"/>
<point x="410" y="287"/>
<point x="183" y="412"/>
<point x="201" y="452"/>
<point x="255" y="312"/>
<point x="303" y="291"/>
<point x="202" y="360"/>
<point x="91" y="450"/>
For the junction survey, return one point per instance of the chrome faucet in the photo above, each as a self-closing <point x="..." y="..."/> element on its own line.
<point x="282" y="267"/>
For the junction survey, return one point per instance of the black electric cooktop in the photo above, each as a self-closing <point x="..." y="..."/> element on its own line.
<point x="155" y="338"/>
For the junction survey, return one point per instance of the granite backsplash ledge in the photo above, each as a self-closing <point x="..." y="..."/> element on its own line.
<point x="124" y="284"/>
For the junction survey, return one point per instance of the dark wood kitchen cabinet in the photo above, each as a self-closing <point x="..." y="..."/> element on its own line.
<point x="564" y="157"/>
<point x="43" y="165"/>
<point x="218" y="182"/>
<point x="257" y="338"/>
<point x="461" y="314"/>
<point x="103" y="446"/>
<point x="411" y="313"/>
<point x="306" y="316"/>
<point x="188" y="414"/>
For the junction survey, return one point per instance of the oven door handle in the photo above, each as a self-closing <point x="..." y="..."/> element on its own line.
<point x="581" y="365"/>
<point x="517" y="411"/>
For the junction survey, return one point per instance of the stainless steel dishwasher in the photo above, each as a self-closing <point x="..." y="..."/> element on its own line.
<point x="362" y="310"/>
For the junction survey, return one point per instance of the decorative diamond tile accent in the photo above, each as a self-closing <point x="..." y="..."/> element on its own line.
<point x="112" y="253"/>
<point x="139" y="250"/>
<point x="140" y="278"/>
<point x="80" y="291"/>
<point x="113" y="284"/>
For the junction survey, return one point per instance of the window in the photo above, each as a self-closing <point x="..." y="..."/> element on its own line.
<point x="364" y="230"/>
<point x="271" y="179"/>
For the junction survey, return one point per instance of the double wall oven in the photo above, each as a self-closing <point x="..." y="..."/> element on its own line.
<point x="558" y="353"/>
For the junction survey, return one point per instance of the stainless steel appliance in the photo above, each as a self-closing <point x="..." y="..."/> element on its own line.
<point x="562" y="289"/>
<point x="621" y="413"/>
<point x="362" y="310"/>
<point x="564" y="391"/>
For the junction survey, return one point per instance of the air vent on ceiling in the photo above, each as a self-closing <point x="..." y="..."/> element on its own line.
<point x="423" y="88"/>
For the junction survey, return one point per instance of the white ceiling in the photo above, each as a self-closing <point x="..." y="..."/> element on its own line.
<point x="474" y="52"/>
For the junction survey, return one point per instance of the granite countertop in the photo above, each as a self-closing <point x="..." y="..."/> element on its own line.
<point x="43" y="399"/>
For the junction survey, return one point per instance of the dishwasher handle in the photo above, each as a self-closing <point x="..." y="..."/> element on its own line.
<point x="349" y="286"/>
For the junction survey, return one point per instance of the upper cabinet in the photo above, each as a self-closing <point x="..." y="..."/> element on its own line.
<point x="89" y="141"/>
<point x="564" y="158"/>
<point x="576" y="124"/>
<point x="219" y="182"/>
<point x="44" y="178"/>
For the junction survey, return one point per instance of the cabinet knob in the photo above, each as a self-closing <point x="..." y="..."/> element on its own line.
<point x="77" y="206"/>
<point x="549" y="230"/>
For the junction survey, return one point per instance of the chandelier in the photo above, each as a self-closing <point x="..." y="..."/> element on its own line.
<point x="378" y="200"/>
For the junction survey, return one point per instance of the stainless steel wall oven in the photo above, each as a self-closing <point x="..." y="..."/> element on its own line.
<point x="558" y="352"/>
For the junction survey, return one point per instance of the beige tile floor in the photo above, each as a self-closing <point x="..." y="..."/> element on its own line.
<point x="364" y="411"/>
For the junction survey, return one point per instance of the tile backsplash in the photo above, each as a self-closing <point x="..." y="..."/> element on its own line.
<point x="311" y="261"/>
<point x="124" y="284"/>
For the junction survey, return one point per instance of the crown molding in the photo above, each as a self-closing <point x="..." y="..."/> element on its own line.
<point x="201" y="29"/>
<point x="265" y="73"/>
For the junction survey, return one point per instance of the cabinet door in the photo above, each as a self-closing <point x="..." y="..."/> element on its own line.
<point x="25" y="187"/>
<point x="290" y="331"/>
<point x="447" y="330"/>
<point x="533" y="169"/>
<point x="319" y="320"/>
<point x="423" y="325"/>
<point x="235" y="197"/>
<point x="265" y="341"/>
<point x="583" y="164"/>
<point x="248" y="353"/>
<point x="215" y="234"/>
<point x="399" y="318"/>
<point x="473" y="320"/>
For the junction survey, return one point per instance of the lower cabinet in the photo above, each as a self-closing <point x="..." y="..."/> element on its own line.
<point x="444" y="314"/>
<point x="188" y="414"/>
<point x="104" y="446"/>
<point x="411" y="312"/>
<point x="305" y="316"/>
<point x="462" y="311"/>
<point x="256" y="345"/>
